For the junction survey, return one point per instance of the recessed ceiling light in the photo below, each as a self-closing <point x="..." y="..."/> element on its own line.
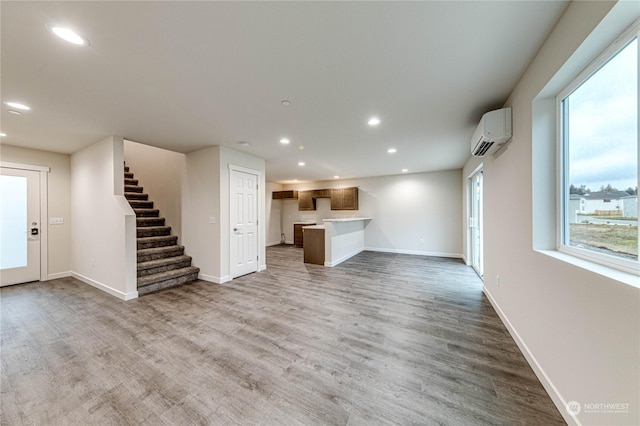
<point x="373" y="121"/>
<point x="244" y="143"/>
<point x="69" y="35"/>
<point x="284" y="141"/>
<point x="2" y="135"/>
<point x="392" y="150"/>
<point x="301" y="147"/>
<point x="18" y="105"/>
<point x="286" y="103"/>
<point x="301" y="163"/>
<point x="405" y="170"/>
<point x="11" y="111"/>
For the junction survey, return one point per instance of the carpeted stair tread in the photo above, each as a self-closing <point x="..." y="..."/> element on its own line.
<point x="143" y="222"/>
<point x="139" y="204"/>
<point x="132" y="182"/>
<point x="151" y="288"/>
<point x="163" y="265"/>
<point x="150" y="242"/>
<point x="126" y="168"/>
<point x="168" y="275"/>
<point x="146" y="212"/>
<point x="136" y="196"/>
<point x="153" y="231"/>
<point x="132" y="188"/>
<point x="155" y="253"/>
<point x="128" y="175"/>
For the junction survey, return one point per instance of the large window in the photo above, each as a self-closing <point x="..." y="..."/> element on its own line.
<point x="599" y="158"/>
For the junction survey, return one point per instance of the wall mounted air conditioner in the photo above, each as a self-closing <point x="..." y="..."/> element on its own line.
<point x="493" y="131"/>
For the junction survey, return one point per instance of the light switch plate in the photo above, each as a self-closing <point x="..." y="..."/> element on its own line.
<point x="56" y="221"/>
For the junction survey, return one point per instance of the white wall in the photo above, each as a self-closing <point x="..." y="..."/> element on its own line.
<point x="229" y="157"/>
<point x="103" y="226"/>
<point x="579" y="328"/>
<point x="412" y="213"/>
<point x="206" y="199"/>
<point x="58" y="200"/>
<point x="160" y="172"/>
<point x="201" y="201"/>
<point x="273" y="214"/>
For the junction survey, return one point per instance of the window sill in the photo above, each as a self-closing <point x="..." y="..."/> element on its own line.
<point x="614" y="274"/>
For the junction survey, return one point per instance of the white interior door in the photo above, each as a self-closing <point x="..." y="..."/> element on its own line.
<point x="244" y="226"/>
<point x="475" y="222"/>
<point x="19" y="226"/>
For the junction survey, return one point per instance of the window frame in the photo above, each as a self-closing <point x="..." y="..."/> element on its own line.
<point x="625" y="265"/>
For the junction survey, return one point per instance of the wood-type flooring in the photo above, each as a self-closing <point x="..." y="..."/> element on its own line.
<point x="381" y="339"/>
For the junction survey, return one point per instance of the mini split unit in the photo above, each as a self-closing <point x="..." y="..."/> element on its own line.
<point x="493" y="131"/>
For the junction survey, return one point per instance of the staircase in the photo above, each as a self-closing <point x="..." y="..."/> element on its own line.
<point x="161" y="261"/>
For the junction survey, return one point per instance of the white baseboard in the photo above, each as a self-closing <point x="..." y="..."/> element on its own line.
<point x="212" y="279"/>
<point x="557" y="399"/>
<point x="343" y="258"/>
<point x="416" y="252"/>
<point x="275" y="243"/>
<point x="57" y="275"/>
<point x="288" y="242"/>
<point x="106" y="289"/>
<point x="464" y="259"/>
<point x="262" y="268"/>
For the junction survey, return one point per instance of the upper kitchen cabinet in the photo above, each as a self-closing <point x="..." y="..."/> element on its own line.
<point x="344" y="199"/>
<point x="306" y="202"/>
<point x="284" y="195"/>
<point x="321" y="193"/>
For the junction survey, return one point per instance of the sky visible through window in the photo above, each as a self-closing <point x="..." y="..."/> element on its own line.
<point x="603" y="125"/>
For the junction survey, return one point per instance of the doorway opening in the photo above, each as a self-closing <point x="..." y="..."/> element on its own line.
<point x="475" y="234"/>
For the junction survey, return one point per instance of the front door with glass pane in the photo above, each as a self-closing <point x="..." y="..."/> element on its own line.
<point x="19" y="226"/>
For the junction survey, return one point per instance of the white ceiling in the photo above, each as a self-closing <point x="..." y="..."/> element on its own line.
<point x="187" y="75"/>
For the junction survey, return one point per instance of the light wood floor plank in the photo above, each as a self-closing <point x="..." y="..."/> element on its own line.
<point x="381" y="339"/>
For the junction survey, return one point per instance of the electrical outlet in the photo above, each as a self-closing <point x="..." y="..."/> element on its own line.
<point x="212" y="219"/>
<point x="497" y="280"/>
<point x="422" y="240"/>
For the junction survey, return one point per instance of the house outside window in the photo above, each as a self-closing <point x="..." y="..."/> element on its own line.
<point x="598" y="139"/>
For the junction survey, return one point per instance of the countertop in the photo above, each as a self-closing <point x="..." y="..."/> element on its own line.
<point x="310" y="222"/>
<point x="347" y="219"/>
<point x="313" y="227"/>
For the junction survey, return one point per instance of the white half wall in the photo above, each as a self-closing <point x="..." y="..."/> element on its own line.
<point x="580" y="330"/>
<point x="58" y="199"/>
<point x="160" y="172"/>
<point x="103" y="230"/>
<point x="411" y="213"/>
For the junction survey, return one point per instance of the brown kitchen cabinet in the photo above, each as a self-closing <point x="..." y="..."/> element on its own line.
<point x="313" y="246"/>
<point x="306" y="202"/>
<point x="284" y="195"/>
<point x="344" y="199"/>
<point x="297" y="233"/>
<point x="321" y="193"/>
